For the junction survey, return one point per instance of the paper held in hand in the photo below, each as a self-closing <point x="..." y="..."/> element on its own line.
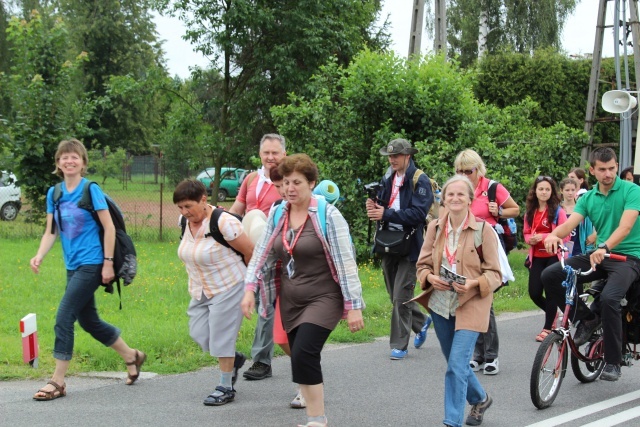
<point x="450" y="276"/>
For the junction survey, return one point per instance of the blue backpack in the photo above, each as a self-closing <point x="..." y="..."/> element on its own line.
<point x="322" y="214"/>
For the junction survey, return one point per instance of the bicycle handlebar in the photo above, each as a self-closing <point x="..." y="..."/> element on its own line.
<point x="564" y="249"/>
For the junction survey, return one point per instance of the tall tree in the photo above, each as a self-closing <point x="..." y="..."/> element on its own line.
<point x="120" y="39"/>
<point x="476" y="27"/>
<point x="261" y="50"/>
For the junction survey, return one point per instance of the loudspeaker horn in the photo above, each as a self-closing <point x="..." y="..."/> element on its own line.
<point x="618" y="101"/>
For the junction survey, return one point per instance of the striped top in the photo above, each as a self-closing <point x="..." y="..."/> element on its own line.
<point x="212" y="267"/>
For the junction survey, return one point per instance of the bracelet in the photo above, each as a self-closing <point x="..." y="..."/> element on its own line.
<point x="108" y="259"/>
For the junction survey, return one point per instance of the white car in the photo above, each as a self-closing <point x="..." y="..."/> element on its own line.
<point x="10" y="202"/>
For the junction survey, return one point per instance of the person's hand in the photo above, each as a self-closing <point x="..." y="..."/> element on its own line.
<point x="493" y="208"/>
<point x="597" y="257"/>
<point x="354" y="320"/>
<point x="248" y="304"/>
<point x="468" y="285"/>
<point x="369" y="204"/>
<point x="375" y="212"/>
<point x="107" y="272"/>
<point x="35" y="264"/>
<point x="551" y="243"/>
<point x="591" y="239"/>
<point x="535" y="239"/>
<point x="438" y="283"/>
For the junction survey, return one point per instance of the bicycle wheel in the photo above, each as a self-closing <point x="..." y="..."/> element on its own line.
<point x="587" y="372"/>
<point x="548" y="370"/>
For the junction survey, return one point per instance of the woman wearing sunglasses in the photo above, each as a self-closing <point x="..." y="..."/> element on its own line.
<point x="470" y="164"/>
<point x="543" y="214"/>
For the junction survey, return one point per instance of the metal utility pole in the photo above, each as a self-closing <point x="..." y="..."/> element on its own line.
<point x="417" y="24"/>
<point x="620" y="38"/>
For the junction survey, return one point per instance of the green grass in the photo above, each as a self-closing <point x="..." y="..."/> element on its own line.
<point x="154" y="317"/>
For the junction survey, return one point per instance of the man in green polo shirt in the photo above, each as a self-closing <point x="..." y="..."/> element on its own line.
<point x="613" y="206"/>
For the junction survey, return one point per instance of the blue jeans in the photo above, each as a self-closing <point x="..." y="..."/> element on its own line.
<point x="460" y="383"/>
<point x="78" y="303"/>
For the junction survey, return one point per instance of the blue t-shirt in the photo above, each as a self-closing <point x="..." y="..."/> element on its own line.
<point x="80" y="235"/>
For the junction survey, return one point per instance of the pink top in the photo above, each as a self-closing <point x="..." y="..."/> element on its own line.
<point x="480" y="204"/>
<point x="263" y="201"/>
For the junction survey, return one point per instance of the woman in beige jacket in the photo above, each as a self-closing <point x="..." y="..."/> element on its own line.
<point x="459" y="269"/>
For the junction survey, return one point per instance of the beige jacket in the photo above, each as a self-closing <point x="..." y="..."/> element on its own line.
<point x="474" y="306"/>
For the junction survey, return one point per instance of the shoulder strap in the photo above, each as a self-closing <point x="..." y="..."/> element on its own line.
<point x="250" y="178"/>
<point x="57" y="193"/>
<point x="183" y="225"/>
<point x="555" y="219"/>
<point x="416" y="177"/>
<point x="477" y="238"/>
<point x="214" y="231"/>
<point x="491" y="191"/>
<point x="322" y="215"/>
<point x="278" y="214"/>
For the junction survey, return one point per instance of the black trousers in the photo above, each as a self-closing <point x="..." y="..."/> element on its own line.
<point x="306" y="342"/>
<point x="619" y="276"/>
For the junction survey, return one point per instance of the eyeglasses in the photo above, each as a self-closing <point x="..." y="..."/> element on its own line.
<point x="465" y="171"/>
<point x="542" y="178"/>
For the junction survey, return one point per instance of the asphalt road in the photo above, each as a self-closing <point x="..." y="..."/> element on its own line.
<point x="363" y="388"/>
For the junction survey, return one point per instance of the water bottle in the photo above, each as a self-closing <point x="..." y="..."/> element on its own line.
<point x="436" y="197"/>
<point x="512" y="225"/>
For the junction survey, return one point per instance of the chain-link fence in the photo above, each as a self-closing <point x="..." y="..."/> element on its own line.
<point x="143" y="193"/>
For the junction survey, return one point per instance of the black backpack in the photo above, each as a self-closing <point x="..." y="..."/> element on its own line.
<point x="508" y="238"/>
<point x="214" y="231"/>
<point x="125" y="264"/>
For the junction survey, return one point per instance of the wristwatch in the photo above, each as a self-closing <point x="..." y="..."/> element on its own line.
<point x="605" y="247"/>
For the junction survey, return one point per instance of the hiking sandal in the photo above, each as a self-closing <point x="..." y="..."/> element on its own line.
<point x="139" y="360"/>
<point x="59" y="391"/>
<point x="220" y="396"/>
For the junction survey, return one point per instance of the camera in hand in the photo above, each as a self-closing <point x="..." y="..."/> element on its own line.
<point x="372" y="189"/>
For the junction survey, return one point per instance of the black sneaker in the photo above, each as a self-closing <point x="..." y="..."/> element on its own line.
<point x="258" y="371"/>
<point x="610" y="372"/>
<point x="238" y="363"/>
<point x="477" y="412"/>
<point x="585" y="329"/>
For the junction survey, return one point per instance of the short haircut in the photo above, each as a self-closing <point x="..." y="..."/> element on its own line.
<point x="275" y="175"/>
<point x="275" y="137"/>
<point x="299" y="163"/>
<point x="469" y="159"/>
<point x="71" y="145"/>
<point x="189" y="189"/>
<point x="459" y="178"/>
<point x="602" y="154"/>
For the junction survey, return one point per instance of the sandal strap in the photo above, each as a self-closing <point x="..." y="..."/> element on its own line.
<point x="135" y="361"/>
<point x="58" y="387"/>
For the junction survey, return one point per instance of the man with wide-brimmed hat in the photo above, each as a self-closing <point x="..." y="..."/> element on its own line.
<point x="402" y="206"/>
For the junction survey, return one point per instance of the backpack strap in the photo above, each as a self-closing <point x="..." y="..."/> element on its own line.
<point x="57" y="193"/>
<point x="477" y="238"/>
<point x="322" y="214"/>
<point x="491" y="191"/>
<point x="416" y="176"/>
<point x="214" y="231"/>
<point x="253" y="175"/>
<point x="183" y="225"/>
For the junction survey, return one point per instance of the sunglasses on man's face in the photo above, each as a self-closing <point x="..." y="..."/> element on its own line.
<point x="465" y="171"/>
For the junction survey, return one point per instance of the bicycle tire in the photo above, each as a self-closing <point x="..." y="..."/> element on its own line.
<point x="587" y="372"/>
<point x="548" y="370"/>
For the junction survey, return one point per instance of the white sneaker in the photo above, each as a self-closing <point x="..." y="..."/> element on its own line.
<point x="491" y="368"/>
<point x="475" y="366"/>
<point x="298" y="401"/>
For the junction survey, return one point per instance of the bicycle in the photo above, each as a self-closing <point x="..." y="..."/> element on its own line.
<point x="550" y="363"/>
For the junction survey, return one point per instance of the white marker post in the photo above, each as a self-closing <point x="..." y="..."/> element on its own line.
<point x="29" y="329"/>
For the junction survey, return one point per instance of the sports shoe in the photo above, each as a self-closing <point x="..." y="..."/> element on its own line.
<point x="491" y="367"/>
<point x="477" y="412"/>
<point x="298" y="401"/>
<point x="610" y="372"/>
<point x="238" y="362"/>
<point x="585" y="329"/>
<point x="421" y="336"/>
<point x="398" y="354"/>
<point x="258" y="371"/>
<point x="476" y="366"/>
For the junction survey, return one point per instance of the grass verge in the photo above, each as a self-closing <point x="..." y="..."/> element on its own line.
<point x="154" y="317"/>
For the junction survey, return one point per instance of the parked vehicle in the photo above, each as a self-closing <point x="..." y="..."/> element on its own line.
<point x="230" y="180"/>
<point x="10" y="202"/>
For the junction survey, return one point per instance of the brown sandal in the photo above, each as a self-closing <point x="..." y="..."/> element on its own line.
<point x="139" y="360"/>
<point x="59" y="391"/>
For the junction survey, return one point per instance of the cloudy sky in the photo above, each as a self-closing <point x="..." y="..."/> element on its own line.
<point x="578" y="36"/>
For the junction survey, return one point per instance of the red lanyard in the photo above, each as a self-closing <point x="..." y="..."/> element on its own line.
<point x="539" y="223"/>
<point x="395" y="189"/>
<point x="451" y="257"/>
<point x="287" y="247"/>
<point x="265" y="189"/>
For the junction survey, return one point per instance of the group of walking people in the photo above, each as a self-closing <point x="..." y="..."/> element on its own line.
<point x="301" y="270"/>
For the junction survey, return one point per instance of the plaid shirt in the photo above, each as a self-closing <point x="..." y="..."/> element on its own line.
<point x="338" y="249"/>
